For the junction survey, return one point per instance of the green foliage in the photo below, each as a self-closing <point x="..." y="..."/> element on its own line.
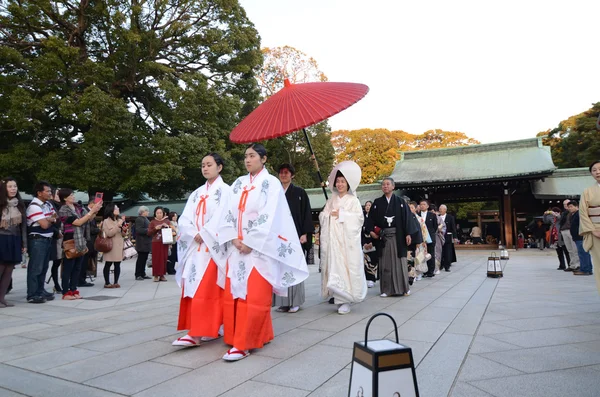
<point x="469" y="210"/>
<point x="576" y="141"/>
<point x="123" y="95"/>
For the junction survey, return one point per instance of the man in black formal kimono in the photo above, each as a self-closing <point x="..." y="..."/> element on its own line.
<point x="392" y="215"/>
<point x="301" y="213"/>
<point x="432" y="227"/>
<point x="448" y="252"/>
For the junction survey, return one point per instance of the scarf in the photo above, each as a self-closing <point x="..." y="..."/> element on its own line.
<point x="11" y="216"/>
<point x="78" y="231"/>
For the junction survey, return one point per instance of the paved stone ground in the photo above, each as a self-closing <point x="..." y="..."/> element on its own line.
<point x="536" y="332"/>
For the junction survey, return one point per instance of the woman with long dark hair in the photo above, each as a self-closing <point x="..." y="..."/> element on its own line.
<point x="172" y="216"/>
<point x="202" y="260"/>
<point x="13" y="233"/>
<point x="112" y="227"/>
<point x="266" y="256"/>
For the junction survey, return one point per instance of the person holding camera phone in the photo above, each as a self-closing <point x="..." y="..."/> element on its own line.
<point x="160" y="251"/>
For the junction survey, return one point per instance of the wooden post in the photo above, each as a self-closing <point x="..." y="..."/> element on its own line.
<point x="509" y="237"/>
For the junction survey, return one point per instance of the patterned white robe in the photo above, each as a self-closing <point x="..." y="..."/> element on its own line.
<point x="265" y="225"/>
<point x="202" y="215"/>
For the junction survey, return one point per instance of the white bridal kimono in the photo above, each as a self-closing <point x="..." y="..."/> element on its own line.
<point x="259" y="215"/>
<point x="342" y="259"/>
<point x="202" y="214"/>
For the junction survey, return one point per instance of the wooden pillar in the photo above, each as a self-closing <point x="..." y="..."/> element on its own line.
<point x="509" y="240"/>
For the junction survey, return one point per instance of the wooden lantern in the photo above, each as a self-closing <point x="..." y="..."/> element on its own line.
<point x="494" y="266"/>
<point x="382" y="368"/>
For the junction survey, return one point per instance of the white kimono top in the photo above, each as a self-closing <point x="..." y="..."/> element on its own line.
<point x="342" y="260"/>
<point x="259" y="215"/>
<point x="201" y="215"/>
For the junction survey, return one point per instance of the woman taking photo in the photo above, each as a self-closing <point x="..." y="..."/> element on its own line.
<point x="266" y="256"/>
<point x="202" y="262"/>
<point x="342" y="269"/>
<point x="112" y="227"/>
<point x="75" y="228"/>
<point x="13" y="234"/>
<point x="160" y="251"/>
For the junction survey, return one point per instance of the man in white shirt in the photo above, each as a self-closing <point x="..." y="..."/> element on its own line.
<point x="40" y="220"/>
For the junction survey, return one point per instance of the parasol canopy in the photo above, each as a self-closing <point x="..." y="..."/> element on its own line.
<point x="295" y="107"/>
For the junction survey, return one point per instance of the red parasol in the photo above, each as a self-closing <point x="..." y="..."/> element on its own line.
<point x="296" y="107"/>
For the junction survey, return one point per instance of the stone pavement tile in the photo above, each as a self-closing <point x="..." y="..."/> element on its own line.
<point x="476" y="367"/>
<point x="334" y="322"/>
<point x="419" y="349"/>
<point x="292" y="343"/>
<point x="39" y="347"/>
<point x="137" y="378"/>
<point x="545" y="337"/>
<point x="8" y="393"/>
<point x="82" y="319"/>
<point x="194" y="357"/>
<point x="14" y="340"/>
<point x="453" y="303"/>
<point x="422" y="330"/>
<point x="596" y="367"/>
<point x="22" y="328"/>
<point x="468" y="320"/>
<point x="213" y="379"/>
<point x="106" y="363"/>
<point x="448" y="353"/>
<point x="406" y="304"/>
<point x="493" y="328"/>
<point x="309" y="368"/>
<point x="347" y="337"/>
<point x="580" y="382"/>
<point x="400" y="317"/>
<point x="336" y="386"/>
<point x="593" y="346"/>
<point x="141" y="315"/>
<point x="462" y="389"/>
<point x="547" y="358"/>
<point x="282" y="325"/>
<point x="592" y="328"/>
<point x="38" y="385"/>
<point x="260" y="389"/>
<point x="312" y="313"/>
<point x="529" y="324"/>
<point x="441" y="314"/>
<point x="126" y="327"/>
<point x="485" y="344"/>
<point x="53" y="359"/>
<point x="492" y="316"/>
<point x="116" y="342"/>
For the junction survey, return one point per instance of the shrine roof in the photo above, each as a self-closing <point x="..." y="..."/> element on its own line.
<point x="522" y="159"/>
<point x="563" y="183"/>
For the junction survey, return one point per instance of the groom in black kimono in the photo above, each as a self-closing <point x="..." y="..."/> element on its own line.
<point x="299" y="204"/>
<point x="392" y="215"/>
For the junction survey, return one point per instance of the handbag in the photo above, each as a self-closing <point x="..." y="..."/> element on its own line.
<point x="103" y="243"/>
<point x="70" y="250"/>
<point x="128" y="250"/>
<point x="421" y="260"/>
<point x="167" y="235"/>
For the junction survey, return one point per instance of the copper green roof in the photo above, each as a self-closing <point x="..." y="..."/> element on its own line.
<point x="526" y="158"/>
<point x="563" y="183"/>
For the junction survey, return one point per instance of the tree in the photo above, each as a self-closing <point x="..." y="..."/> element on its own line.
<point x="576" y="141"/>
<point x="123" y="95"/>
<point x="376" y="151"/>
<point x="287" y="62"/>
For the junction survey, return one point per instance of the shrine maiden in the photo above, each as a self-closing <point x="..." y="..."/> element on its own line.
<point x="202" y="260"/>
<point x="266" y="255"/>
<point x="342" y="266"/>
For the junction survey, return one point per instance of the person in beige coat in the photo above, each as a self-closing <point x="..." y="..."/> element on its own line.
<point x="589" y="219"/>
<point x="112" y="227"/>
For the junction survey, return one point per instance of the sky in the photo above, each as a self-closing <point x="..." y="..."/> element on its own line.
<point x="495" y="70"/>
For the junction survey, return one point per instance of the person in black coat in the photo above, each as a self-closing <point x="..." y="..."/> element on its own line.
<point x="143" y="243"/>
<point x="299" y="204"/>
<point x="448" y="253"/>
<point x="432" y="227"/>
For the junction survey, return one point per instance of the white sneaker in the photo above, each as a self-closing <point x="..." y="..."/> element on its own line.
<point x="419" y="277"/>
<point x="370" y="284"/>
<point x="407" y="293"/>
<point x="436" y="272"/>
<point x="384" y="295"/>
<point x="294" y="309"/>
<point x="344" y="308"/>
